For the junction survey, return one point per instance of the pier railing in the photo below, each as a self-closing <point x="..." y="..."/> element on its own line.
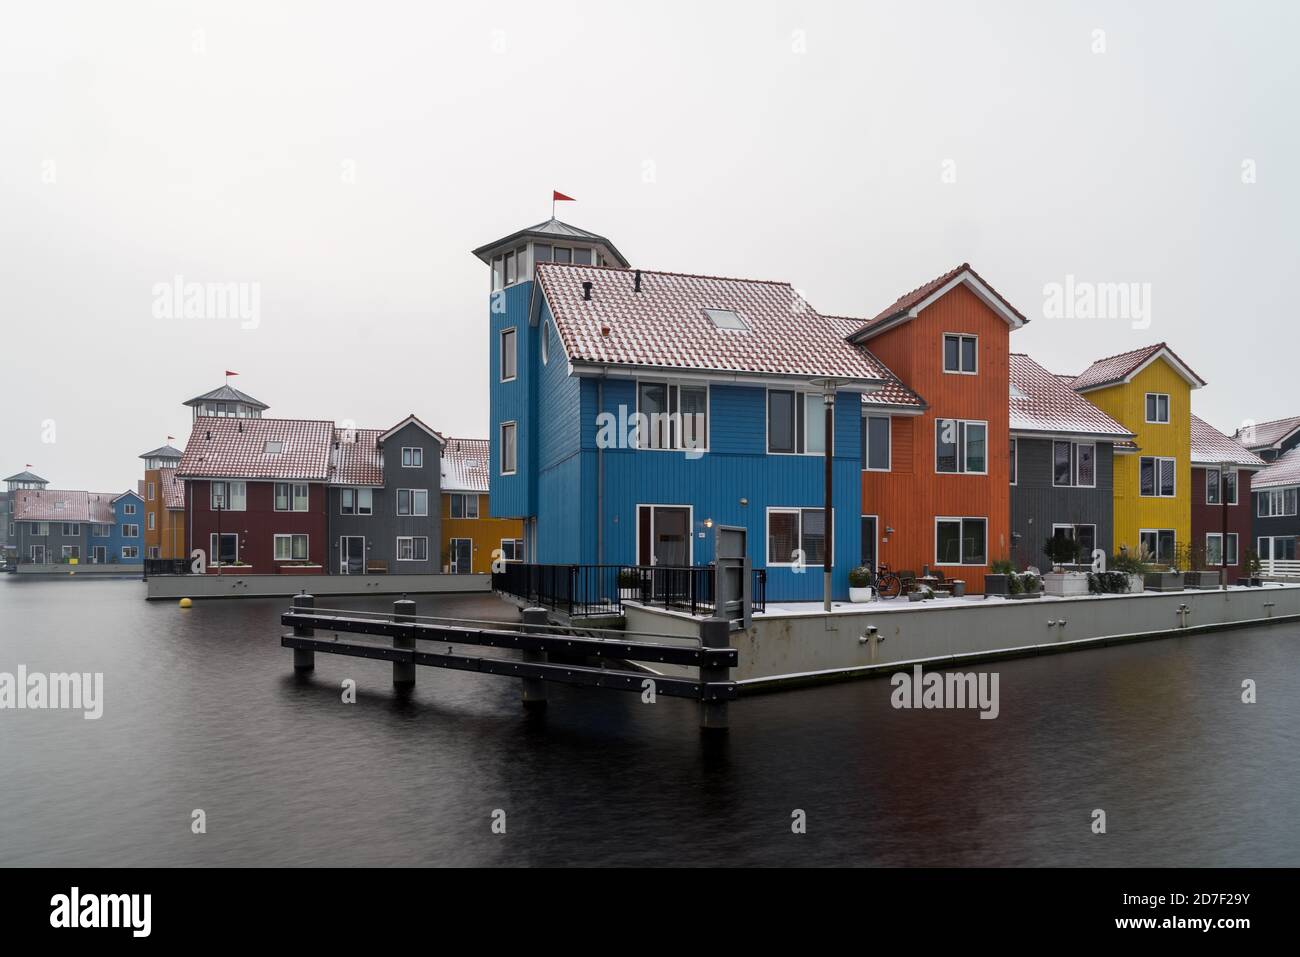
<point x="594" y="590"/>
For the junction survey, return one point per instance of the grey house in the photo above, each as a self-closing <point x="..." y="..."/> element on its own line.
<point x="1062" y="465"/>
<point x="22" y="481"/>
<point x="384" y="500"/>
<point x="54" y="526"/>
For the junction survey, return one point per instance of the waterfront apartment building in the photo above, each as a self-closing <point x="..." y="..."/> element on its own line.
<point x="164" y="504"/>
<point x="1222" y="473"/>
<point x="60" y="526"/>
<point x="1270" y="440"/>
<point x="267" y="495"/>
<point x="472" y="538"/>
<point x="21" y="481"/>
<point x="1276" y="525"/>
<point x="1148" y="391"/>
<point x="1062" y="465"/>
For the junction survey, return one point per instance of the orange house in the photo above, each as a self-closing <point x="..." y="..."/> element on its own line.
<point x="164" y="504"/>
<point x="936" y="460"/>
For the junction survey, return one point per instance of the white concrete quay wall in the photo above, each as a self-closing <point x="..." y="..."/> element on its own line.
<point x="270" y="586"/>
<point x="780" y="648"/>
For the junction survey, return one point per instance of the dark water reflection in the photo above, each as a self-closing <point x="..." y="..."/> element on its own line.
<point x="203" y="711"/>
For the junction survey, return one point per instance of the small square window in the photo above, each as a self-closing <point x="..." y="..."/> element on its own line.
<point x="726" y="319"/>
<point x="273" y="447"/>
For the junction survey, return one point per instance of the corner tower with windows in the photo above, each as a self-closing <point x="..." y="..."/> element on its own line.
<point x="515" y="356"/>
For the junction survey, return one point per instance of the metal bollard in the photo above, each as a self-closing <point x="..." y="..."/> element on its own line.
<point x="714" y="633"/>
<point x="304" y="659"/>
<point x="532" y="691"/>
<point x="404" y="671"/>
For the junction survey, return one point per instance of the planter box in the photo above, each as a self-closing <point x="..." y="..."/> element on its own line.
<point x="1135" y="583"/>
<point x="916" y="596"/>
<point x="958" y="588"/>
<point x="995" y="584"/>
<point x="1065" y="584"/>
<point x="1204" y="580"/>
<point x="1025" y="594"/>
<point x="859" y="595"/>
<point x="299" y="570"/>
<point x="1164" y="581"/>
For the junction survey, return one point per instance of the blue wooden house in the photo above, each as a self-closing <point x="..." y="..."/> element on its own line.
<point x="632" y="411"/>
<point x="125" y="543"/>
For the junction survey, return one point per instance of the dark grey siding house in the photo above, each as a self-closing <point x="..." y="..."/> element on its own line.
<point x="1063" y="452"/>
<point x="384" y="501"/>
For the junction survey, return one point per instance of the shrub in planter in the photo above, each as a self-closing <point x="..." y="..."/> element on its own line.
<point x="1108" y="583"/>
<point x="860" y="580"/>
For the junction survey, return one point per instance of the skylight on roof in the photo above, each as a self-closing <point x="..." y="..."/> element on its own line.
<point x="273" y="447"/>
<point x="1017" y="393"/>
<point x="726" y="319"/>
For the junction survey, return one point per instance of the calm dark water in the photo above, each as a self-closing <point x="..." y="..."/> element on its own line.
<point x="203" y="711"/>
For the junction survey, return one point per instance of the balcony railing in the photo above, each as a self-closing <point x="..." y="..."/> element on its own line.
<point x="587" y="590"/>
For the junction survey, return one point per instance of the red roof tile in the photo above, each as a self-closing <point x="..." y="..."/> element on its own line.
<point x="61" y="505"/>
<point x="907" y="302"/>
<point x="1266" y="434"/>
<point x="1285" y="471"/>
<point x="357" y="460"/>
<point x="1115" y="369"/>
<point x="173" y="489"/>
<point x="237" y="448"/>
<point x="893" y="392"/>
<point x="1212" y="447"/>
<point x="465" y="465"/>
<point x="664" y="326"/>
<point x="1041" y="402"/>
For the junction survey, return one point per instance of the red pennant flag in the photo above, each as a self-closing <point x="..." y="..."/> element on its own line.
<point x="558" y="197"/>
<point x="229" y="373"/>
<point x="171" y="438"/>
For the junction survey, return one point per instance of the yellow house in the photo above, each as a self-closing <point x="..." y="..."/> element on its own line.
<point x="471" y="538"/>
<point x="1149" y="392"/>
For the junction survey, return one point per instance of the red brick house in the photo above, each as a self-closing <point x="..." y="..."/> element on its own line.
<point x="1213" y="452"/>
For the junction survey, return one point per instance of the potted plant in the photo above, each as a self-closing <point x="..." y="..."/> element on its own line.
<point x="1254" y="569"/>
<point x="997" y="582"/>
<point x="860" y="580"/>
<point x="1063" y="551"/>
<point x="1197" y="574"/>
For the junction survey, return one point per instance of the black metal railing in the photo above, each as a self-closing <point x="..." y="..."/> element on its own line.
<point x="585" y="590"/>
<point x="166" y="566"/>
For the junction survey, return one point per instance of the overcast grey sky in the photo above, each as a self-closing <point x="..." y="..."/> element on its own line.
<point x="346" y="157"/>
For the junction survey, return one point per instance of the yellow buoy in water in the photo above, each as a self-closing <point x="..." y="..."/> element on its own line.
<point x="185" y="603"/>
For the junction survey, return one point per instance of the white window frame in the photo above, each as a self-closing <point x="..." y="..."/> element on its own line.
<point x="464" y="498"/>
<point x="803" y="399"/>
<point x="961" y="445"/>
<point x="275" y="546"/>
<point x="1156" y="532"/>
<point x="797" y="510"/>
<point x="1277" y="499"/>
<point x="1156" y="493"/>
<point x="1218" y="483"/>
<point x="943" y="356"/>
<point x="76" y="529"/>
<point x="152" y="491"/>
<point x="1146" y="408"/>
<point x="416" y="458"/>
<point x="128" y="508"/>
<point x="1015" y="460"/>
<point x="356" y="491"/>
<point x="672" y="395"/>
<point x="67" y="551"/>
<point x="101" y="531"/>
<point x="866" y="442"/>
<point x="1234" y="549"/>
<point x="131" y="531"/>
<point x="152" y="521"/>
<point x="1075" y="459"/>
<point x="512" y="334"/>
<point x="130" y="551"/>
<point x="411" y="500"/>
<point x="961" y="521"/>
<point x="1073" y="529"/>
<point x="546" y="343"/>
<point x="512" y="428"/>
<point x="292" y="497"/>
<point x="516" y="546"/>
<point x="411" y="540"/>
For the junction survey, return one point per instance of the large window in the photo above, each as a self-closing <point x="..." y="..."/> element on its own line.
<point x="509" y="358"/>
<point x="71" y="528"/>
<point x="875" y="443"/>
<point x="1085" y="535"/>
<point x="412" y="458"/>
<point x="960" y="354"/>
<point x="413" y="549"/>
<point x="1214" y="548"/>
<point x="512" y="549"/>
<point x="1157" y="408"/>
<point x="676" y="416"/>
<point x="412" y="501"/>
<point x="509" y="456"/>
<point x="356" y="501"/>
<point x="1277" y="502"/>
<point x="128" y="508"/>
<point x="1156" y="477"/>
<point x="464" y="506"/>
<point x="796" y="423"/>
<point x="72" y="551"/>
<point x="1213" y="484"/>
<point x="792" y="531"/>
<point x="130" y="551"/>
<point x="229" y="496"/>
<point x="1074" y="463"/>
<point x="1158" y="544"/>
<point x="961" y="541"/>
<point x="130" y="531"/>
<point x="960" y="446"/>
<point x="290" y="548"/>
<point x="1277" y="548"/>
<point x="291" y="497"/>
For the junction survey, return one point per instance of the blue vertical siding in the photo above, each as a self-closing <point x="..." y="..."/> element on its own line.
<point x="513" y="496"/>
<point x="116" y="540"/>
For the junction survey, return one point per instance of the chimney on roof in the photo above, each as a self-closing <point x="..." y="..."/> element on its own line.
<point x="636" y="282"/>
<point x="586" y="291"/>
<point x="207" y="436"/>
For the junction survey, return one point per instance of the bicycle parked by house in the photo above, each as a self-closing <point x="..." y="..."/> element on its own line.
<point x="888" y="584"/>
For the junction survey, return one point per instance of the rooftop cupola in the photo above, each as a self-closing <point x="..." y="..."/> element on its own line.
<point x="227" y="402"/>
<point x="25" y="480"/>
<point x="165" y="457"/>
<point x="512" y="258"/>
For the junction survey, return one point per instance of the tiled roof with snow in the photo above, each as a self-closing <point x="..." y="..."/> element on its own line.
<point x="664" y="326"/>
<point x="357" y="459"/>
<point x="1212" y="447"/>
<point x="465" y="465"/>
<point x="62" y="505"/>
<point x="173" y="489"/>
<point x="1285" y="471"/>
<point x="908" y="301"/>
<point x="289" y="449"/>
<point x="892" y="392"/>
<point x="1267" y="434"/>
<point x="1041" y="402"/>
<point x="1113" y="370"/>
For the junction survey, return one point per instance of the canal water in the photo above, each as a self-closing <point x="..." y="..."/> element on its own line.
<point x="202" y="711"/>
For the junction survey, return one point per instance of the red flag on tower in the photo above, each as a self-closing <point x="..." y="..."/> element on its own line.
<point x="229" y="373"/>
<point x="558" y="197"/>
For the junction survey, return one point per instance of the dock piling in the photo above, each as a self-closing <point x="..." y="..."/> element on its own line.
<point x="404" y="671"/>
<point x="532" y="691"/>
<point x="714" y="633"/>
<point x="304" y="659"/>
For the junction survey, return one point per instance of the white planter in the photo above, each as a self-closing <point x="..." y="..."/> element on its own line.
<point x="859" y="595"/>
<point x="1065" y="584"/>
<point x="1135" y="583"/>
